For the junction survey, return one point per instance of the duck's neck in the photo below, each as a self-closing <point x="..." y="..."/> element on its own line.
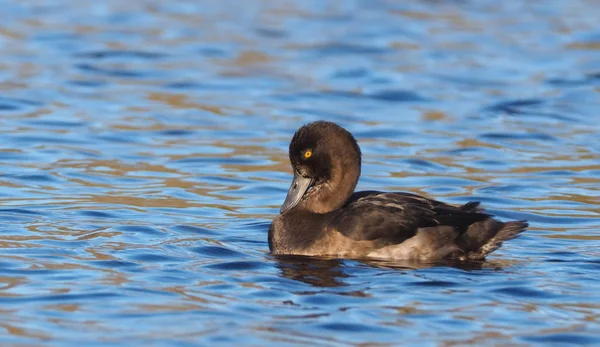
<point x="335" y="191"/>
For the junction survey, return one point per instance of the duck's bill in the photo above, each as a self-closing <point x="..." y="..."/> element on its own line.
<point x="297" y="189"/>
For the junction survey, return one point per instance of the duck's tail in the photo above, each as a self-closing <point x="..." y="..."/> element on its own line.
<point x="484" y="237"/>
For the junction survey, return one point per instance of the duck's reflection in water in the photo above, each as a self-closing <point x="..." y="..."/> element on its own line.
<point x="331" y="272"/>
<point x="321" y="272"/>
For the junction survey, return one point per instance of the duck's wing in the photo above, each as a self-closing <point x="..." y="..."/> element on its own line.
<point x="395" y="217"/>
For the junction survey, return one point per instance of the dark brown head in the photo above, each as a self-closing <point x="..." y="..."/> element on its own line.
<point x="326" y="162"/>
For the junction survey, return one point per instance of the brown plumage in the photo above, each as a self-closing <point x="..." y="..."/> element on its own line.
<point x="322" y="216"/>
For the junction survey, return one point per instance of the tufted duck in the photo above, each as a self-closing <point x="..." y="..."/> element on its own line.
<point x="323" y="216"/>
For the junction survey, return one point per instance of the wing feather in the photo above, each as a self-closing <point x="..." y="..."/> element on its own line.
<point x="390" y="218"/>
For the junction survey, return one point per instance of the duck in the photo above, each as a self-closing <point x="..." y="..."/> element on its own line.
<point x="323" y="216"/>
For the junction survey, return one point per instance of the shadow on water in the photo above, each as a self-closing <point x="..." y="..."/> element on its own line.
<point x="331" y="272"/>
<point x="318" y="272"/>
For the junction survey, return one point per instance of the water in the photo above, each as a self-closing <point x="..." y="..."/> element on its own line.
<point x="143" y="155"/>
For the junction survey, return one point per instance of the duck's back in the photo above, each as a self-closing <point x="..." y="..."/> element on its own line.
<point x="404" y="225"/>
<point x="395" y="217"/>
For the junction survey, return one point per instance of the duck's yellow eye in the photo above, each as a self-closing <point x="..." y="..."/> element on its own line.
<point x="307" y="154"/>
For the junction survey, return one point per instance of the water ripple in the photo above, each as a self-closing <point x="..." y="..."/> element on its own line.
<point x="144" y="154"/>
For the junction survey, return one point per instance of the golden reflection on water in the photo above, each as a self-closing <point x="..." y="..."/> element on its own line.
<point x="181" y="101"/>
<point x="148" y="151"/>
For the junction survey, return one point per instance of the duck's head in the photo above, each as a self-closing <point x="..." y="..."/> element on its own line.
<point x="326" y="162"/>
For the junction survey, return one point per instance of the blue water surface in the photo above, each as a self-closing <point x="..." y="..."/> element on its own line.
<point x="143" y="154"/>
